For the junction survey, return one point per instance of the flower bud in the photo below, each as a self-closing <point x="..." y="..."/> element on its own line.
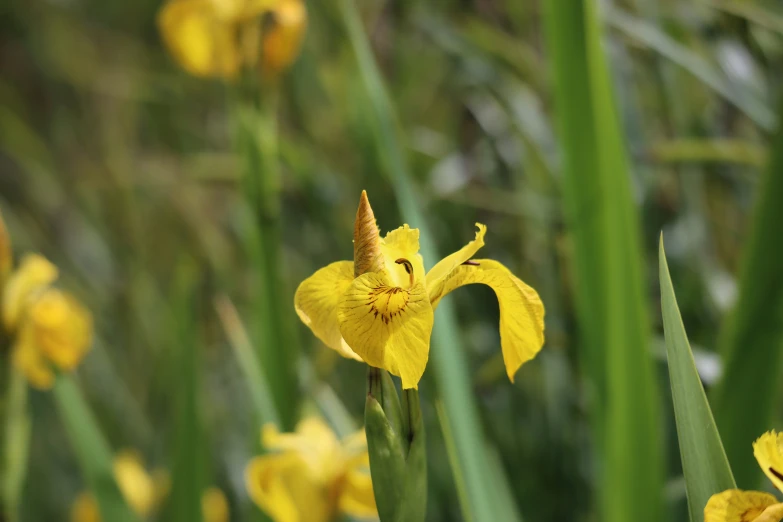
<point x="367" y="256"/>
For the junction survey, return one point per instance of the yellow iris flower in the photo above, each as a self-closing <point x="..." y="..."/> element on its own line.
<point x="380" y="308"/>
<point x="311" y="476"/>
<point x="219" y="38"/>
<point x="144" y="493"/>
<point x="50" y="327"/>
<point x="735" y="505"/>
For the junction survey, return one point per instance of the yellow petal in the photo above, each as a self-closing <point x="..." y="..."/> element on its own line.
<point x="768" y="450"/>
<point x="388" y="326"/>
<point x="735" y="505"/>
<point x="135" y="483"/>
<point x="438" y="273"/>
<point x="200" y="38"/>
<point x="356" y="497"/>
<point x="313" y="441"/>
<point x="63" y="328"/>
<point x="214" y="506"/>
<point x="399" y="246"/>
<point x="35" y="272"/>
<point x="28" y="359"/>
<point x="283" y="39"/>
<point x="521" y="310"/>
<point x="281" y="486"/>
<point x="316" y="302"/>
<point x="85" y="509"/>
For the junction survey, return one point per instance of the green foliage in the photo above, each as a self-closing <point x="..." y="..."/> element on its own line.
<point x="91" y="449"/>
<point x="607" y="265"/>
<point x="752" y="340"/>
<point x="704" y="462"/>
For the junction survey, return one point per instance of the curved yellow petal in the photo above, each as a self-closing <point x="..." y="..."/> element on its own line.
<point x="283" y="39"/>
<point x="316" y="302"/>
<point x="214" y="506"/>
<point x="200" y="38"/>
<point x="388" y="326"/>
<point x="438" y="273"/>
<point x="768" y="450"/>
<point x="28" y="359"/>
<point x="136" y="485"/>
<point x="281" y="486"/>
<point x="521" y="310"/>
<point x="735" y="505"/>
<point x="85" y="508"/>
<point x="314" y="442"/>
<point x="356" y="497"/>
<point x="402" y="245"/>
<point x="63" y="328"/>
<point x="35" y="272"/>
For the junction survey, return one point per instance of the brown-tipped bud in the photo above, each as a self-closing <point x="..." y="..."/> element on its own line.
<point x="367" y="256"/>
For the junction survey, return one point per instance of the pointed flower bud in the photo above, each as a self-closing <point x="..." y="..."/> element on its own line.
<point x="367" y="256"/>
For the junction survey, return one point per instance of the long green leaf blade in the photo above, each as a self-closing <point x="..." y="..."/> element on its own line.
<point x="607" y="264"/>
<point x="752" y="340"/>
<point x="92" y="450"/>
<point x="704" y="462"/>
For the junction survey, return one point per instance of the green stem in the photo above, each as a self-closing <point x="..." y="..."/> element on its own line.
<point x="262" y="186"/>
<point x="17" y="439"/>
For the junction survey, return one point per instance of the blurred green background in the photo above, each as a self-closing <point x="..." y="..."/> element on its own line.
<point x="127" y="174"/>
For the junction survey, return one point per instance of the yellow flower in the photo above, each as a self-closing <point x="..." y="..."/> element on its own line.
<point x="214" y="506"/>
<point x="50" y="327"/>
<point x="218" y="38"/>
<point x="380" y="308"/>
<point x="145" y="492"/>
<point x="310" y="476"/>
<point x="735" y="505"/>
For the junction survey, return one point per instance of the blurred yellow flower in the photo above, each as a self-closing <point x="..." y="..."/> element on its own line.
<point x="735" y="505"/>
<point x="145" y="492"/>
<point x="50" y="327"/>
<point x="311" y="476"/>
<point x="218" y="38"/>
<point x="380" y="308"/>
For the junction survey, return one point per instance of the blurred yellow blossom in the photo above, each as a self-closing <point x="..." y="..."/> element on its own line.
<point x="735" y="505"/>
<point x="311" y="476"/>
<point x="145" y="492"/>
<point x="218" y="38"/>
<point x="49" y="327"/>
<point x="214" y="506"/>
<point x="380" y="308"/>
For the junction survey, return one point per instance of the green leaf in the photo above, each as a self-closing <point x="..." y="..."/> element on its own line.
<point x="247" y="361"/>
<point x="92" y="451"/>
<point x="448" y="360"/>
<point x="751" y="341"/>
<point x="607" y="265"/>
<point x="756" y="109"/>
<point x="17" y="443"/>
<point x="188" y="451"/>
<point x="704" y="462"/>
